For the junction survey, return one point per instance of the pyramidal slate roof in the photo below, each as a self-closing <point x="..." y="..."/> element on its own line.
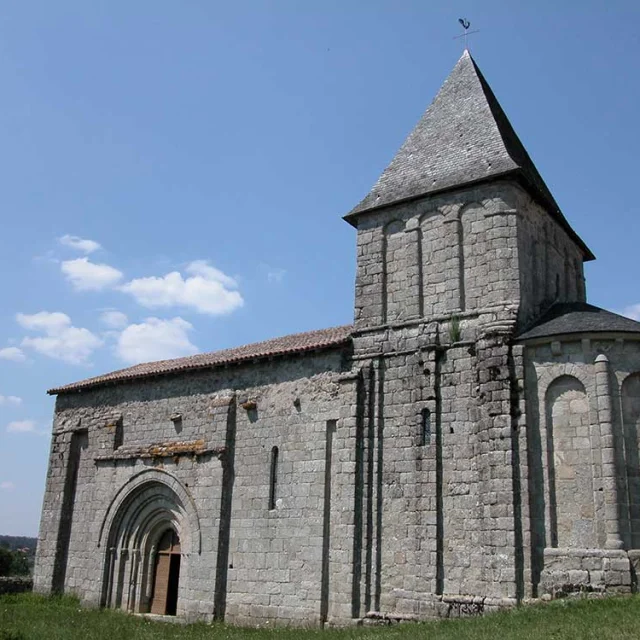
<point x="462" y="138"/>
<point x="579" y="317"/>
<point x="287" y="345"/>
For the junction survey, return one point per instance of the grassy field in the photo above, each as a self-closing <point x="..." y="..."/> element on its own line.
<point x="30" y="617"/>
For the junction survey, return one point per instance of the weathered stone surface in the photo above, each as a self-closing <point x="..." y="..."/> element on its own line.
<point x="432" y="464"/>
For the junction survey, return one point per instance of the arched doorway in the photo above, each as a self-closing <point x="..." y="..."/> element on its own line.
<point x="148" y="545"/>
<point x="164" y="600"/>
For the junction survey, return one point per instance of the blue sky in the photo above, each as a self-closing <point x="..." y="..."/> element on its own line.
<point x="174" y="173"/>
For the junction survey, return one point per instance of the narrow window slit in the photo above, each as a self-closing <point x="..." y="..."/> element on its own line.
<point x="425" y="427"/>
<point x="273" y="478"/>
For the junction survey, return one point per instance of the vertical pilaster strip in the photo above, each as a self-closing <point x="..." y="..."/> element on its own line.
<point x="326" y="522"/>
<point x="454" y="265"/>
<point x="520" y="471"/>
<point x="345" y="549"/>
<point x="496" y="465"/>
<point x="51" y="513"/>
<point x="437" y="387"/>
<point x="77" y="442"/>
<point x="609" y="482"/>
<point x="225" y="411"/>
<point x="370" y="294"/>
<point x="414" y="300"/>
<point x="379" y="467"/>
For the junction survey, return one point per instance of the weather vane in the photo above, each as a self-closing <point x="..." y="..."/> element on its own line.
<point x="465" y="25"/>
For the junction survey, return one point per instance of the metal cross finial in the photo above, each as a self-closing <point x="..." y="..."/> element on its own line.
<point x="465" y="25"/>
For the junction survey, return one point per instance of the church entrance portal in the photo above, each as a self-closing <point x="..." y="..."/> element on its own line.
<point x="147" y="548"/>
<point x="166" y="575"/>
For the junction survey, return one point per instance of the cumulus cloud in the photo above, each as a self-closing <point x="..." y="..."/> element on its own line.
<point x="10" y="400"/>
<point x="12" y="353"/>
<point x="61" y="340"/>
<point x="206" y="290"/>
<point x="632" y="312"/>
<point x="22" y="426"/>
<point x="155" y="339"/>
<point x="6" y="485"/>
<point x="79" y="244"/>
<point x="114" y="319"/>
<point x="90" y="276"/>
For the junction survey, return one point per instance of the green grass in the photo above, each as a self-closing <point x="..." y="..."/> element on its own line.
<point x="32" y="617"/>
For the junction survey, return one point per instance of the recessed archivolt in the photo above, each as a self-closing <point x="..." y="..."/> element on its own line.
<point x="393" y="227"/>
<point x="471" y="206"/>
<point x="562" y="384"/>
<point x="429" y="216"/>
<point x="551" y="373"/>
<point x="141" y="498"/>
<point x="628" y="379"/>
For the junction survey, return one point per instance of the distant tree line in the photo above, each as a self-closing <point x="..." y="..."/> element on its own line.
<point x="19" y="542"/>
<point x="14" y="563"/>
<point x="17" y="555"/>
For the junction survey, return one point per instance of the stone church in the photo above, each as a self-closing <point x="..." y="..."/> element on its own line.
<point x="471" y="441"/>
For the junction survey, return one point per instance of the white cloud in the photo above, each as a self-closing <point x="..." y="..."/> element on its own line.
<point x="62" y="340"/>
<point x="114" y="319"/>
<point x="5" y="485"/>
<point x="12" y="353"/>
<point x="155" y="339"/>
<point x="10" y="400"/>
<point x="22" y="426"/>
<point x="205" y="270"/>
<point x="632" y="312"/>
<point x="79" y="244"/>
<point x="49" y="322"/>
<point x="275" y="275"/>
<point x="89" y="276"/>
<point x="206" y="290"/>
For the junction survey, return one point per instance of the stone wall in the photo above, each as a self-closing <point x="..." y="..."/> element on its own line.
<point x="583" y="461"/>
<point x="444" y="254"/>
<point x="551" y="263"/>
<point x="180" y="431"/>
<point x="434" y="467"/>
<point x="470" y="251"/>
<point x="440" y="523"/>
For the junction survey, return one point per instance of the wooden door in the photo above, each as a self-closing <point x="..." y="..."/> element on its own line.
<point x="166" y="575"/>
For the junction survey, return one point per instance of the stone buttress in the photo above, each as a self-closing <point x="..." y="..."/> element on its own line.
<point x="472" y="441"/>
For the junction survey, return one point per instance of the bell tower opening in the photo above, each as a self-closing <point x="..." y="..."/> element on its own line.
<point x="164" y="600"/>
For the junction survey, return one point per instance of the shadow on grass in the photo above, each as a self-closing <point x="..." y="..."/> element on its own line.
<point x="33" y="617"/>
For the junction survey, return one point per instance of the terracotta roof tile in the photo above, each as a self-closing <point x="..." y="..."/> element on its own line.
<point x="295" y="343"/>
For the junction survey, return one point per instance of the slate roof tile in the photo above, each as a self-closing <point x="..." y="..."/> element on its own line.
<point x="579" y="317"/>
<point x="463" y="137"/>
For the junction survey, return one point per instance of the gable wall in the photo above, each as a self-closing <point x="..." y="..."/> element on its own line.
<point x="583" y="447"/>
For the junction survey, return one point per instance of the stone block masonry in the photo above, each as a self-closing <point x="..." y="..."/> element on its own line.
<point x="471" y="442"/>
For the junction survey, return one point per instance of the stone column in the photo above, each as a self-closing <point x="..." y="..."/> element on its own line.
<point x="609" y="476"/>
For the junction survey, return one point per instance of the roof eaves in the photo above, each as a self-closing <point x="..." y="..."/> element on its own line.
<point x="548" y="201"/>
<point x="355" y="213"/>
<point x="102" y="381"/>
<point x="544" y="338"/>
